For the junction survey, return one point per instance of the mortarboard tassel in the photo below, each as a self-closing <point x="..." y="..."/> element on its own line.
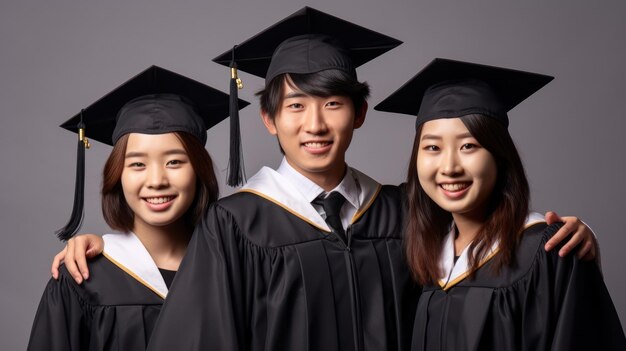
<point x="76" y="218"/>
<point x="236" y="172"/>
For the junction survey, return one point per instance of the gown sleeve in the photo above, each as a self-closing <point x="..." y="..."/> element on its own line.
<point x="204" y="307"/>
<point x="60" y="319"/>
<point x="568" y="296"/>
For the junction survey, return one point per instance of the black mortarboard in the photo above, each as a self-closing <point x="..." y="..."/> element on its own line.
<point x="168" y="102"/>
<point x="156" y="101"/>
<point x="307" y="41"/>
<point x="447" y="89"/>
<point x="261" y="52"/>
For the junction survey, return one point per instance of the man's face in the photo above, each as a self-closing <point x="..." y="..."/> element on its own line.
<point x="314" y="132"/>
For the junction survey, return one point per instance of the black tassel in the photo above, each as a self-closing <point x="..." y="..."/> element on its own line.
<point x="76" y="218"/>
<point x="236" y="172"/>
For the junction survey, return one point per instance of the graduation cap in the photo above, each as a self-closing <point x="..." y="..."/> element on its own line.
<point x="448" y="89"/>
<point x="307" y="41"/>
<point x="156" y="101"/>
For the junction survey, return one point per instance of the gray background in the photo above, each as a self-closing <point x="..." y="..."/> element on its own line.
<point x="59" y="56"/>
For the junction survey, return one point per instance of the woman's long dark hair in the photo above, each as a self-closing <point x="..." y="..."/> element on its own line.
<point x="428" y="224"/>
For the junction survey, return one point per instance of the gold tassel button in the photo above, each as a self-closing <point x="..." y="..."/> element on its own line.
<point x="83" y="138"/>
<point x="233" y="75"/>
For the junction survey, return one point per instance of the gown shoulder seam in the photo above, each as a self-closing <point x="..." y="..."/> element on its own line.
<point x="74" y="287"/>
<point x="545" y="233"/>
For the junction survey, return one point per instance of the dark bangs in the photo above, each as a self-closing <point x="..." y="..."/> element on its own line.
<point x="323" y="84"/>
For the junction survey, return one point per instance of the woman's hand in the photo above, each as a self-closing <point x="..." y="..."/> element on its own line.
<point x="582" y="237"/>
<point x="75" y="254"/>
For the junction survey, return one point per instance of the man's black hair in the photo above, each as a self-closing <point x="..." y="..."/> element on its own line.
<point x="323" y="84"/>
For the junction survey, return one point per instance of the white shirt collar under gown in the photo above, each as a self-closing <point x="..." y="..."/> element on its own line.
<point x="456" y="272"/>
<point x="348" y="187"/>
<point x="128" y="253"/>
<point x="294" y="192"/>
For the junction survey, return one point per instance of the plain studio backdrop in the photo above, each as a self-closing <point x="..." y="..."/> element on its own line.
<point x="60" y="56"/>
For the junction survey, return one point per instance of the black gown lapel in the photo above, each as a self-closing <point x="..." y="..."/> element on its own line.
<point x="316" y="286"/>
<point x="471" y="321"/>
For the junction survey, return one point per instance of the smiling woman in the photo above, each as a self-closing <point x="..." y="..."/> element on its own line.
<point x="471" y="239"/>
<point x="157" y="179"/>
<point x="158" y="186"/>
<point x="157" y="182"/>
<point x="454" y="169"/>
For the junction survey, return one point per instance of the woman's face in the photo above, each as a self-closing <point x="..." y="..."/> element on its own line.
<point x="454" y="169"/>
<point x="158" y="180"/>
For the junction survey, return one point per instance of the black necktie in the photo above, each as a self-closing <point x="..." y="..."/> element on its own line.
<point x="332" y="206"/>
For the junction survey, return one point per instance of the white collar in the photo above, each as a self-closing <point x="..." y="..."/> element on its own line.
<point x="283" y="191"/>
<point x="348" y="186"/>
<point x="305" y="186"/>
<point x="455" y="272"/>
<point x="128" y="253"/>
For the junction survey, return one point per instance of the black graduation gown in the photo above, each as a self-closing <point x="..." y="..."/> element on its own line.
<point x="115" y="309"/>
<point x="260" y="275"/>
<point x="543" y="302"/>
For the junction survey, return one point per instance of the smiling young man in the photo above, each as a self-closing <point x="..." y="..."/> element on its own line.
<point x="314" y="132"/>
<point x="315" y="127"/>
<point x="307" y="256"/>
